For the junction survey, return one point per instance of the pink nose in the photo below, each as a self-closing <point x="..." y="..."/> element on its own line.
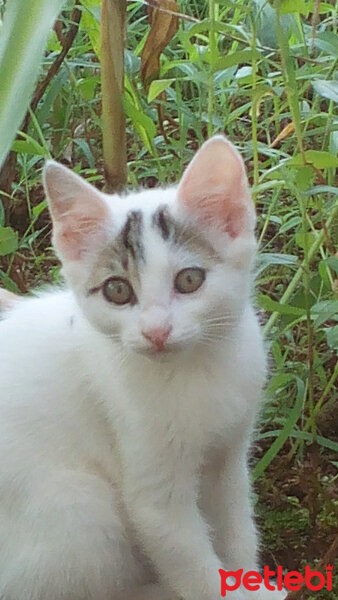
<point x="157" y="336"/>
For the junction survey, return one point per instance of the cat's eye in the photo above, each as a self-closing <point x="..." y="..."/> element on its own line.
<point x="189" y="280"/>
<point x="118" y="290"/>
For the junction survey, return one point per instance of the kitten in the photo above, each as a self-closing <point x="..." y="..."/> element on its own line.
<point x="128" y="400"/>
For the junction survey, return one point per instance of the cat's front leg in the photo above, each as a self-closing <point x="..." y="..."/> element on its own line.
<point x="161" y="499"/>
<point x="225" y="502"/>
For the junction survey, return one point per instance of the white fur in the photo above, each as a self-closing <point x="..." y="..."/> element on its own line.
<point x="119" y="469"/>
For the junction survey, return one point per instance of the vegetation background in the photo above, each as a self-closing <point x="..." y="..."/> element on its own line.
<point x="265" y="73"/>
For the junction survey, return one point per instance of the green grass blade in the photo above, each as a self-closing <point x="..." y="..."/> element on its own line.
<point x="23" y="38"/>
<point x="279" y="442"/>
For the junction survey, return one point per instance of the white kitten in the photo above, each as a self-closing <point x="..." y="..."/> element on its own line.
<point x="127" y="402"/>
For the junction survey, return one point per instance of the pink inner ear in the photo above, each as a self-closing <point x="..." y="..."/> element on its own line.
<point x="79" y="212"/>
<point x="214" y="188"/>
<point x="230" y="216"/>
<point x="76" y="232"/>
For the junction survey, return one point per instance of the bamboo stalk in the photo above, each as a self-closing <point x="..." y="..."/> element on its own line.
<point x="113" y="26"/>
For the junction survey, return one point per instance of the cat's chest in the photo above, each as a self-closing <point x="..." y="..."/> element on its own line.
<point x="198" y="406"/>
<point x="208" y="408"/>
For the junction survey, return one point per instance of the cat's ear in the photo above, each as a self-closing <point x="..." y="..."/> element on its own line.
<point x="79" y="212"/>
<point x="214" y="188"/>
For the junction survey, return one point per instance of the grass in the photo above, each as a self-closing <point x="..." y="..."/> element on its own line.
<point x="266" y="75"/>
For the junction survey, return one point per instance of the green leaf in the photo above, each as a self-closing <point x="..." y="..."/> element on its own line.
<point x="29" y="147"/>
<point x="327" y="88"/>
<point x="305" y="240"/>
<point x="8" y="283"/>
<point x="39" y="208"/>
<point x="90" y="22"/>
<point x="293" y="222"/>
<point x="321" y="189"/>
<point x="87" y="86"/>
<point x="332" y="262"/>
<point x="266" y="303"/>
<point x="83" y="145"/>
<point x="237" y="58"/>
<point x="132" y="63"/>
<point x="157" y="87"/>
<point x="332" y="337"/>
<point x="304" y="177"/>
<point x="267" y="259"/>
<point x="317" y="158"/>
<point x="283" y="435"/>
<point x="266" y="23"/>
<point x="323" y="311"/>
<point x="303" y="435"/>
<point x="8" y="241"/>
<point x="23" y="38"/>
<point x="327" y="41"/>
<point x="294" y="6"/>
<point x="142" y="123"/>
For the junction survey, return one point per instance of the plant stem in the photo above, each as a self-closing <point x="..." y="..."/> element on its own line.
<point x="213" y="56"/>
<point x="113" y="24"/>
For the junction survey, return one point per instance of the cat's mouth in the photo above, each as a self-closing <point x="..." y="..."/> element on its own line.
<point x="156" y="353"/>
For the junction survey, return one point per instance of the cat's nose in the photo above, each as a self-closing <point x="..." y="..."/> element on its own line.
<point x="157" y="336"/>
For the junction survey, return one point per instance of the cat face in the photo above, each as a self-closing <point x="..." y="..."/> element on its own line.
<point x="164" y="270"/>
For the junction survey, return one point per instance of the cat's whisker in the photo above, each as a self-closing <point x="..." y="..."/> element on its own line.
<point x="214" y="336"/>
<point x="228" y="317"/>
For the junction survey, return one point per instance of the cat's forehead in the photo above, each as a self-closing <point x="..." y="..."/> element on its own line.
<point x="150" y="233"/>
<point x="145" y="201"/>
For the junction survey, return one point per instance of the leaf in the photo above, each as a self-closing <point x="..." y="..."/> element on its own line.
<point x="327" y="41"/>
<point x="332" y="262"/>
<point x="142" y="123"/>
<point x="8" y="283"/>
<point x="323" y="311"/>
<point x="303" y="435"/>
<point x="284" y="309"/>
<point x="305" y="240"/>
<point x="157" y="87"/>
<point x="294" y="6"/>
<point x="163" y="27"/>
<point x="321" y="189"/>
<point x="293" y="222"/>
<point x="90" y="22"/>
<point x="86" y="150"/>
<point x="289" y="129"/>
<point x="332" y="337"/>
<point x="29" y="147"/>
<point x="237" y="58"/>
<point x="283" y="435"/>
<point x="327" y="88"/>
<point x="8" y="241"/>
<point x="305" y="177"/>
<point x="132" y="63"/>
<point x="39" y="208"/>
<point x="267" y="24"/>
<point x="317" y="158"/>
<point x="87" y="86"/>
<point x="23" y="38"/>
<point x="267" y="259"/>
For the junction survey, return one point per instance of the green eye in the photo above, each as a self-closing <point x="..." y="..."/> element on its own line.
<point x="189" y="280"/>
<point x="118" y="290"/>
